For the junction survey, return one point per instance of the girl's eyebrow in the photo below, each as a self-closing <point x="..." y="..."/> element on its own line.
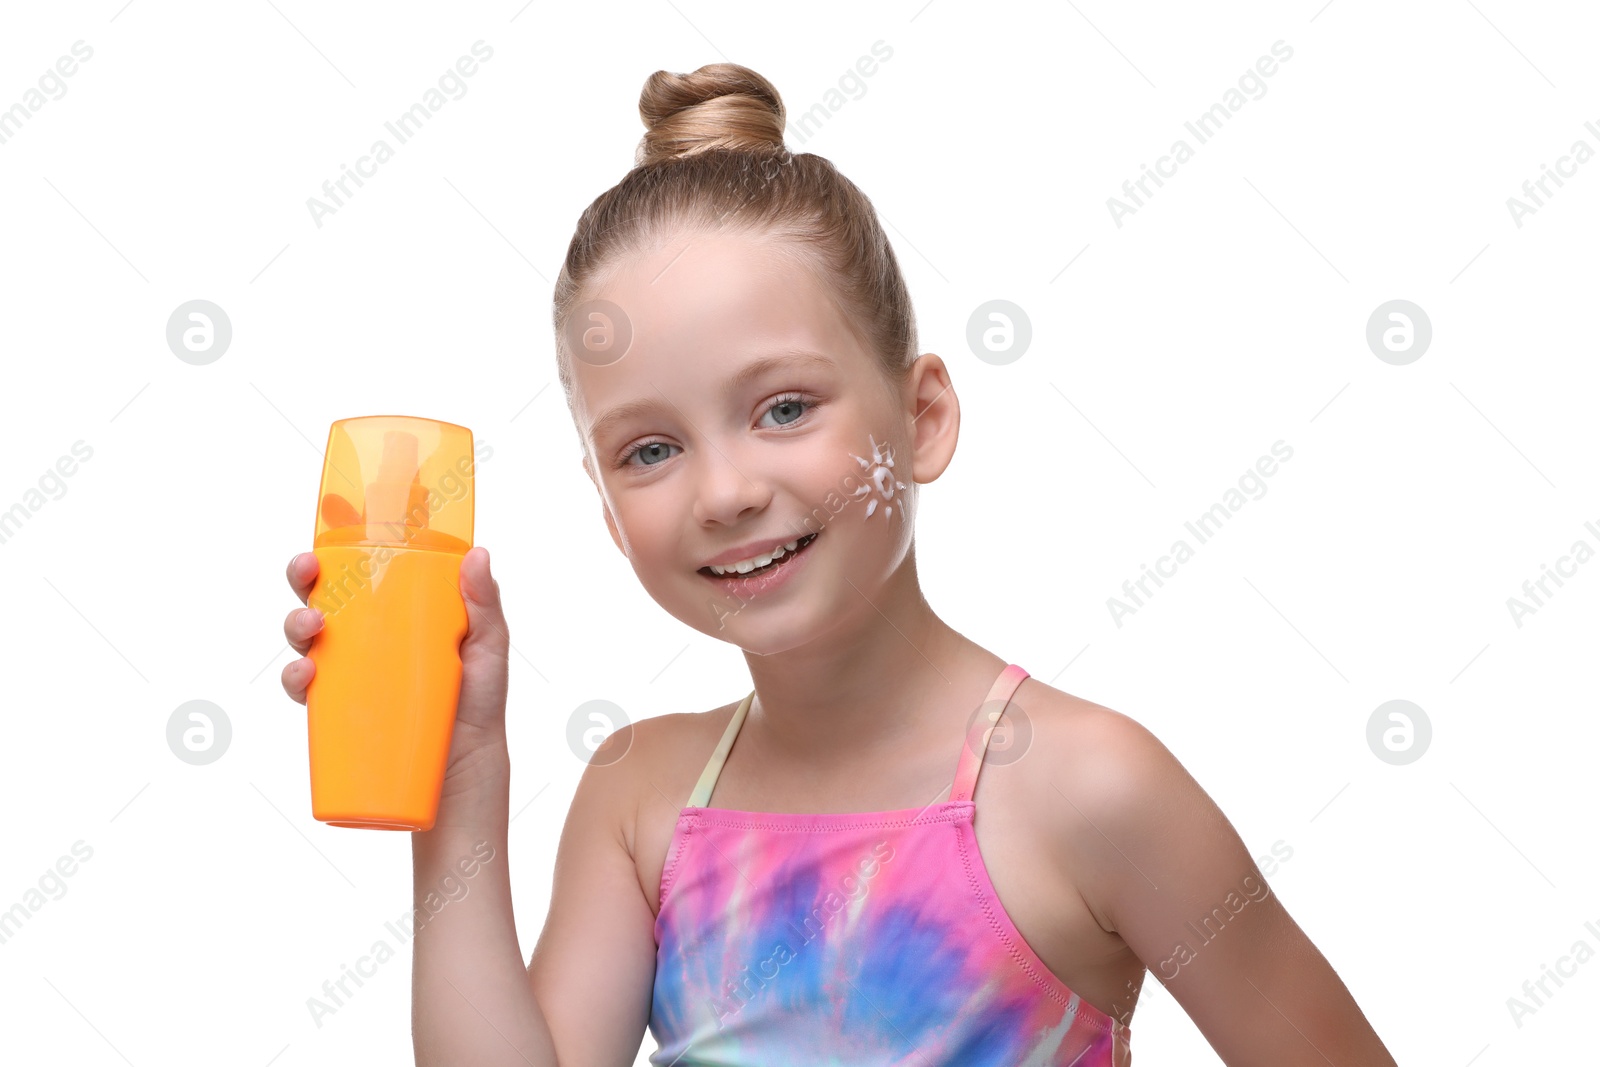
<point x="786" y="359"/>
<point x="790" y="359"/>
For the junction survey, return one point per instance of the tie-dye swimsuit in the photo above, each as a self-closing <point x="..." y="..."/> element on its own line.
<point x="854" y="940"/>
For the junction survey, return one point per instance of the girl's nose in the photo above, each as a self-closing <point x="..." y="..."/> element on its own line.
<point x="728" y="490"/>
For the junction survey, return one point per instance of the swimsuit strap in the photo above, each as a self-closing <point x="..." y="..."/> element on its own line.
<point x="967" y="766"/>
<point x="708" y="777"/>
<point x="977" y="742"/>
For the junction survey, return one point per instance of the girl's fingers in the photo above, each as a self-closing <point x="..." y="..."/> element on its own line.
<point x="300" y="626"/>
<point x="302" y="573"/>
<point x="296" y="676"/>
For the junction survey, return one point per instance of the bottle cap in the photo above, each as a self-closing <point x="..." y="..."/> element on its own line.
<point x="396" y="480"/>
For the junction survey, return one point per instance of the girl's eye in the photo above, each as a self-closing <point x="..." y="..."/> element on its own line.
<point x="653" y="451"/>
<point x="790" y="404"/>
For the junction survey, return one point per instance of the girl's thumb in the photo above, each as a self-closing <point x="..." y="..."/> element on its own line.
<point x="478" y="586"/>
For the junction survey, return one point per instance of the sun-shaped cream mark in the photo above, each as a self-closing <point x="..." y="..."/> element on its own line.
<point x="877" y="471"/>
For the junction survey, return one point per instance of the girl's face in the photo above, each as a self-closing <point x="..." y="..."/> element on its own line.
<point x="743" y="414"/>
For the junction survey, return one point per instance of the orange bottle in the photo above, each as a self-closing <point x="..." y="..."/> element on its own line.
<point x="394" y="518"/>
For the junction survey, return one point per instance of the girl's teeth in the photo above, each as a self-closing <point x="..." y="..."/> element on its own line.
<point x="746" y="566"/>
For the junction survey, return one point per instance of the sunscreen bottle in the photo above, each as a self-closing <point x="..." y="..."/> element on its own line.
<point x="394" y="518"/>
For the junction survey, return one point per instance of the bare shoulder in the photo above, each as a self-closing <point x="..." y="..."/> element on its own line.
<point x="1149" y="851"/>
<point x="1094" y="754"/>
<point x="650" y="766"/>
<point x="1116" y="797"/>
<point x="671" y="740"/>
<point x="660" y="742"/>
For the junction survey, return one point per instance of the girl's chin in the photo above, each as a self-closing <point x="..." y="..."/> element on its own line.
<point x="764" y="634"/>
<point x="759" y="628"/>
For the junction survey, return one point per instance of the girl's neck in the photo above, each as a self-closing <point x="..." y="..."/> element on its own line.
<point x="881" y="683"/>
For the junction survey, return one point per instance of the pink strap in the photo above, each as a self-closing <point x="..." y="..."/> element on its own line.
<point x="977" y="742"/>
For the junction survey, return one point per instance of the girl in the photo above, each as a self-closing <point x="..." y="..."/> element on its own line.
<point x="818" y="873"/>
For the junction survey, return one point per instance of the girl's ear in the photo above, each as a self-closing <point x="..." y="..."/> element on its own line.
<point x="935" y="416"/>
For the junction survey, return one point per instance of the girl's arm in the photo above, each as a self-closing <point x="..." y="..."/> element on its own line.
<point x="474" y="1002"/>
<point x="1167" y="868"/>
<point x="594" y="967"/>
<point x="470" y="998"/>
<point x="584" y="999"/>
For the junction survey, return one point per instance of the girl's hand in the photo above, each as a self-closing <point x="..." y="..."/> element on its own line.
<point x="478" y="741"/>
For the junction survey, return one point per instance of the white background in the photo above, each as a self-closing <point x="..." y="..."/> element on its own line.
<point x="1168" y="354"/>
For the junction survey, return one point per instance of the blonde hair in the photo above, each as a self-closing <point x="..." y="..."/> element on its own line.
<point x="713" y="157"/>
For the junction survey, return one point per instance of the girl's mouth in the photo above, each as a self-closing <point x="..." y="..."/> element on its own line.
<point x="762" y="572"/>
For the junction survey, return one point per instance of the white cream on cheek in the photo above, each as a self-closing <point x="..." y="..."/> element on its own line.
<point x="881" y="482"/>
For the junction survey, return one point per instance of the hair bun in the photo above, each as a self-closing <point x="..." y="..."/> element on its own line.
<point x="721" y="105"/>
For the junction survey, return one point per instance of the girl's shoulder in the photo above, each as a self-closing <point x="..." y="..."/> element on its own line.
<point x="1107" y="794"/>
<point x="1075" y="734"/>
<point x="1086" y="765"/>
<point x="660" y="758"/>
<point x="678" y="739"/>
<point x="667" y="739"/>
<point x="654" y="770"/>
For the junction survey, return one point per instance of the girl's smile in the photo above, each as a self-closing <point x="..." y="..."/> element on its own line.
<point x="760" y="554"/>
<point x="776" y="573"/>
